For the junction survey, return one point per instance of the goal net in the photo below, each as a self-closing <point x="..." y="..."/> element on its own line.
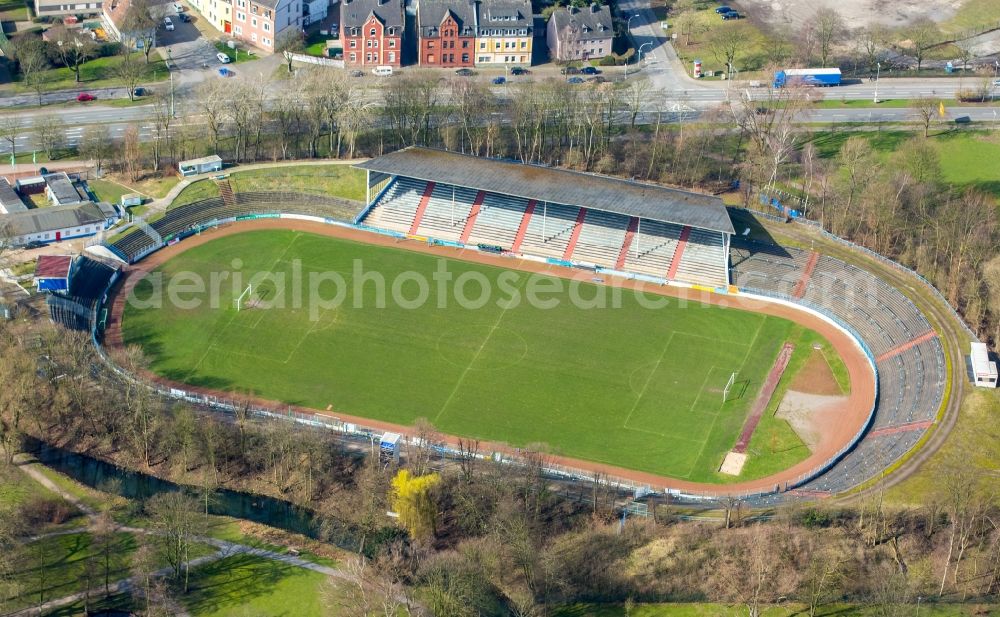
<point x="240" y="302"/>
<point x="729" y="387"/>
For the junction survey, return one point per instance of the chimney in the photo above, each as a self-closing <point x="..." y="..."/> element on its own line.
<point x="573" y="10"/>
<point x="594" y="7"/>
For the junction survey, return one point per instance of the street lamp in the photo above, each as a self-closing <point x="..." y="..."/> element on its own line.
<point x="641" y="48"/>
<point x="878" y="70"/>
<point x="628" y="24"/>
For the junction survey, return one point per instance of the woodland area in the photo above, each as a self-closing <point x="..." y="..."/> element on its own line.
<point x="479" y="538"/>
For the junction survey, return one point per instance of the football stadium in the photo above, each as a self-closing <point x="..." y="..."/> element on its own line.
<point x="621" y="328"/>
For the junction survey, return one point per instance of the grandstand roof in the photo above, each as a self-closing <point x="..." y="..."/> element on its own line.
<point x="53" y="266"/>
<point x="559" y="186"/>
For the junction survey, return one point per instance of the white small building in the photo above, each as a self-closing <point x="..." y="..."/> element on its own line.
<point x="984" y="371"/>
<point x="204" y="165"/>
<point x="57" y="223"/>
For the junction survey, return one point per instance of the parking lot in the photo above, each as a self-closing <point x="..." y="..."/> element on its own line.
<point x="189" y="49"/>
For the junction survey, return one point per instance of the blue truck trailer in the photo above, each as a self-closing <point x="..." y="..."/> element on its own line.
<point x="807" y="77"/>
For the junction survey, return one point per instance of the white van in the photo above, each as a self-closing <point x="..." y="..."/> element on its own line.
<point x="223" y="58"/>
<point x="382" y="71"/>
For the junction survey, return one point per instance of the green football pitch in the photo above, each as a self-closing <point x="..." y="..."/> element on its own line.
<point x="630" y="385"/>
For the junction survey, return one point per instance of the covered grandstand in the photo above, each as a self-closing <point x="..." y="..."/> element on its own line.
<point x="562" y="216"/>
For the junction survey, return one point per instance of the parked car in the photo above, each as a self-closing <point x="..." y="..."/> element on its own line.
<point x="724" y="9"/>
<point x="356" y="73"/>
<point x="575" y="80"/>
<point x="569" y="70"/>
<point x="168" y="24"/>
<point x="731" y="15"/>
<point x="143" y="91"/>
<point x="499" y="81"/>
<point x="84" y="97"/>
<point x="223" y="58"/>
<point x="35" y="244"/>
<point x="178" y="7"/>
<point x="382" y="71"/>
<point x="464" y="73"/>
<point x="224" y="72"/>
<point x="590" y="70"/>
<point x="184" y="17"/>
<point x="519" y="70"/>
<point x="597" y="79"/>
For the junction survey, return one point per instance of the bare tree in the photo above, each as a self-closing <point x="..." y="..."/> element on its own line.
<point x="50" y="133"/>
<point x="289" y="41"/>
<point x="922" y="35"/>
<point x="96" y="144"/>
<point x="213" y="104"/>
<point x="142" y="17"/>
<point x="830" y="28"/>
<point x="29" y="51"/>
<point x="729" y="41"/>
<point x="176" y="517"/>
<point x="72" y="49"/>
<point x="129" y="71"/>
<point x="872" y="41"/>
<point x="926" y="108"/>
<point x="11" y="130"/>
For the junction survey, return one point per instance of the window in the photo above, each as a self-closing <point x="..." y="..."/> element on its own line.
<point x="241" y="16"/>
<point x="482" y="45"/>
<point x="465" y="44"/>
<point x="354" y="44"/>
<point x="354" y="55"/>
<point x="239" y="30"/>
<point x="267" y="27"/>
<point x="266" y="41"/>
<point x="368" y="43"/>
<point x="430" y="58"/>
<point x="375" y="43"/>
<point x="371" y="32"/>
<point x="430" y="44"/>
<point x="253" y="22"/>
<point x="253" y="37"/>
<point x="465" y="58"/>
<point x="524" y="44"/>
<point x="392" y="43"/>
<point x="392" y="57"/>
<point x="484" y="58"/>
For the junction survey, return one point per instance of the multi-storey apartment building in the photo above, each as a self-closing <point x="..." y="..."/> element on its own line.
<point x="372" y="32"/>
<point x="447" y="33"/>
<point x="504" y="32"/>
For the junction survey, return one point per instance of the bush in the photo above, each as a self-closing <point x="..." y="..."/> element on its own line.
<point x="969" y="95"/>
<point x="41" y="510"/>
<point x="607" y="61"/>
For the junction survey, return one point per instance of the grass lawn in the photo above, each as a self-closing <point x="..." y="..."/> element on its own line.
<point x="108" y="191"/>
<point x="630" y="386"/>
<point x="335" y="179"/>
<point x="99" y="73"/>
<point x="316" y="44"/>
<point x="196" y="191"/>
<point x="16" y="488"/>
<point x="247" y="585"/>
<point x="787" y="610"/>
<point x="14" y="10"/>
<point x="968" y="158"/>
<point x="235" y="55"/>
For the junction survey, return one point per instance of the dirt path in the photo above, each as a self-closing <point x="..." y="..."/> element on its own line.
<point x="852" y="414"/>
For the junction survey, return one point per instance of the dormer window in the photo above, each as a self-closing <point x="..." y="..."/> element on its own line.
<point x="371" y="32"/>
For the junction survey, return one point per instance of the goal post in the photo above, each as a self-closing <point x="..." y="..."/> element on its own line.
<point x="238" y="302"/>
<point x="729" y="387"/>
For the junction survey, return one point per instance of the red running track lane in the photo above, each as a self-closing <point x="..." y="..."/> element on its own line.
<point x="419" y="214"/>
<point x="633" y="226"/>
<point x="471" y="221"/>
<point x="523" y="229"/>
<point x="898" y="349"/>
<point x="901" y="428"/>
<point x="675" y="262"/>
<point x="575" y="235"/>
<point x="800" y="287"/>
<point x="766" y="391"/>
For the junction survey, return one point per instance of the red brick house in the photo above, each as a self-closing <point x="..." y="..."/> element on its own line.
<point x="447" y="33"/>
<point x="372" y="31"/>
